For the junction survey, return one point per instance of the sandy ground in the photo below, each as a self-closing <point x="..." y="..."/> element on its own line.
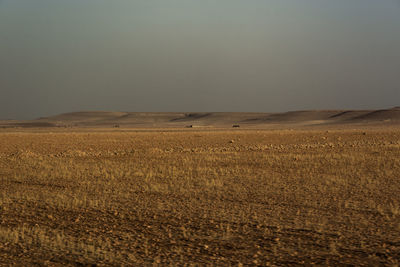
<point x="201" y="196"/>
<point x="293" y="119"/>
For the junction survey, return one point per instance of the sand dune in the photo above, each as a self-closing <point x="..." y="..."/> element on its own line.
<point x="212" y="119"/>
<point x="348" y="115"/>
<point x="295" y="116"/>
<point x="84" y="116"/>
<point x="379" y="115"/>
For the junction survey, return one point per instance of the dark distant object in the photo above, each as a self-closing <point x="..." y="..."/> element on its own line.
<point x="116" y="126"/>
<point x="236" y="126"/>
<point x="189" y="126"/>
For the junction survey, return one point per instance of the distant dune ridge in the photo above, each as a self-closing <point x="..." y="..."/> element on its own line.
<point x="212" y="119"/>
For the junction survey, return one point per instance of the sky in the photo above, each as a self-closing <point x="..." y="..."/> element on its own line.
<point x="197" y="55"/>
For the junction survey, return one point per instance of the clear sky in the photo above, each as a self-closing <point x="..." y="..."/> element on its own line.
<point x="197" y="55"/>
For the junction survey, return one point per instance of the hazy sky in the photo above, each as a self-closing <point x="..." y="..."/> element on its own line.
<point x="197" y="55"/>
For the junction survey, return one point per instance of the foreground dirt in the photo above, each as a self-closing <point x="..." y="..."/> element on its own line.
<point x="200" y="197"/>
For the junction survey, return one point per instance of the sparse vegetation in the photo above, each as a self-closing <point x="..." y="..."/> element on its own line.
<point x="242" y="197"/>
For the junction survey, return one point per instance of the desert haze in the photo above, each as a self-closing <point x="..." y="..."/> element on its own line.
<point x="199" y="133"/>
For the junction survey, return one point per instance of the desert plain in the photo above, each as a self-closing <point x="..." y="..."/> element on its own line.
<point x="76" y="192"/>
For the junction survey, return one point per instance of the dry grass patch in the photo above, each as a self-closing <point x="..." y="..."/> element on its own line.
<point x="227" y="197"/>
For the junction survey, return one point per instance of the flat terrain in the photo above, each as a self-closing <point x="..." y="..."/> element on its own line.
<point x="226" y="197"/>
